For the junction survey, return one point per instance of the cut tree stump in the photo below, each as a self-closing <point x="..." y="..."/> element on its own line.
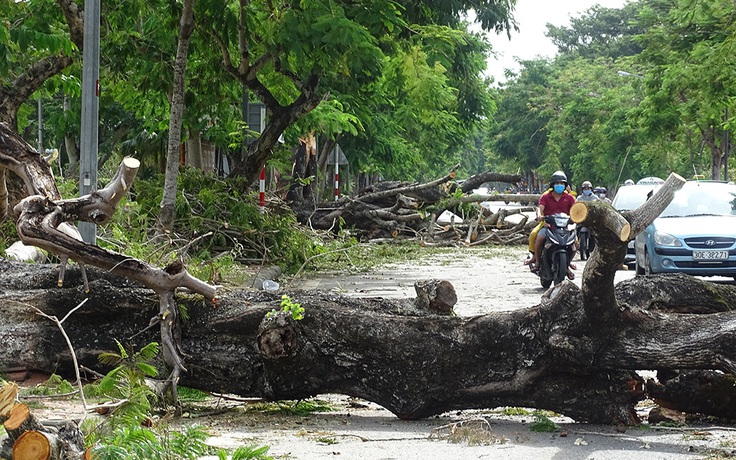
<point x="28" y="438"/>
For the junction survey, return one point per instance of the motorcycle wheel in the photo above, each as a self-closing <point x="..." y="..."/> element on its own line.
<point x="561" y="271"/>
<point x="546" y="282"/>
<point x="584" y="245"/>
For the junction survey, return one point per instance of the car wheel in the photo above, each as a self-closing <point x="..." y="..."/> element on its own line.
<point x="647" y="264"/>
<point x="639" y="270"/>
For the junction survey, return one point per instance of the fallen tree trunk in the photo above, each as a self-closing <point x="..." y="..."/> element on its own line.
<point x="412" y="362"/>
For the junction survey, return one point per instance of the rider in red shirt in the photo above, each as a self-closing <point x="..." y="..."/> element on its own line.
<point x="555" y="201"/>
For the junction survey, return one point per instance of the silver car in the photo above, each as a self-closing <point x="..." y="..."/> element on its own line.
<point x="695" y="234"/>
<point x="628" y="198"/>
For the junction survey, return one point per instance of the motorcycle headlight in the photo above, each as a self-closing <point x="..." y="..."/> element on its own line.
<point x="561" y="222"/>
<point x="665" y="239"/>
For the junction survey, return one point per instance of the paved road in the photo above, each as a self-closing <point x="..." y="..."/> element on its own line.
<point x="485" y="279"/>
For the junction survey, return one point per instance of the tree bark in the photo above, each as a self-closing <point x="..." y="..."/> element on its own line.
<point x="393" y="352"/>
<point x="167" y="211"/>
<point x="302" y="189"/>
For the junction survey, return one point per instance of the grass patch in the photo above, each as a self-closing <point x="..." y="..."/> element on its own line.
<point x="298" y="408"/>
<point x="55" y="385"/>
<point x="516" y="411"/>
<point x="190" y="395"/>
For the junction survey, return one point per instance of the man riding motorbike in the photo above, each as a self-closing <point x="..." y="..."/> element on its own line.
<point x="557" y="200"/>
<point x="601" y="193"/>
<point x="586" y="241"/>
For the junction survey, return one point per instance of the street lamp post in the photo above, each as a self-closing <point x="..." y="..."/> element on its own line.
<point x="90" y="111"/>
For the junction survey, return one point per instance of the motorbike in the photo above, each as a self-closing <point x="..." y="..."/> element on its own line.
<point x="558" y="249"/>
<point x="586" y="242"/>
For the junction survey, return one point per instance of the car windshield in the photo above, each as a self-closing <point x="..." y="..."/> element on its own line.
<point x="632" y="196"/>
<point x="702" y="199"/>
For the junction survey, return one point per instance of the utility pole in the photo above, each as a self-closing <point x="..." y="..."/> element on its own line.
<point x="90" y="111"/>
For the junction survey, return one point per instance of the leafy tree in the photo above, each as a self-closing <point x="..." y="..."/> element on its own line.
<point x="599" y="32"/>
<point x="293" y="56"/>
<point x="520" y="129"/>
<point x="32" y="50"/>
<point x="688" y="45"/>
<point x="421" y="113"/>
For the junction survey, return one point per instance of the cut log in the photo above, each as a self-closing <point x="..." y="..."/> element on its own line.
<point x="8" y="399"/>
<point x="37" y="445"/>
<point x="437" y="296"/>
<point x="612" y="232"/>
<point x="29" y="438"/>
<point x="20" y="421"/>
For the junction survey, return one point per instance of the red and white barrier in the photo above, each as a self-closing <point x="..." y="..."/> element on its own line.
<point x="337" y="179"/>
<point x="262" y="190"/>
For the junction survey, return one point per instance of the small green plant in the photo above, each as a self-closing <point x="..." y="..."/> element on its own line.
<point x="187" y="394"/>
<point x="131" y="442"/>
<point x="298" y="408"/>
<point x="515" y="411"/>
<point x="326" y="440"/>
<point x="55" y="385"/>
<point x="127" y="384"/>
<point x="246" y="453"/>
<point x="542" y="424"/>
<point x="288" y="306"/>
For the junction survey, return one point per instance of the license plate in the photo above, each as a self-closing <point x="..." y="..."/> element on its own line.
<point x="710" y="255"/>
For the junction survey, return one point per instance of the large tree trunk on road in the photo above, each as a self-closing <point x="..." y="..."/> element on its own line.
<point x="412" y="362"/>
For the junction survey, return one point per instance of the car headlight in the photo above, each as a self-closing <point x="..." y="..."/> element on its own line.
<point x="665" y="239"/>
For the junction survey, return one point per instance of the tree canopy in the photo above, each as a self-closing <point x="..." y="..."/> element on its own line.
<point x="639" y="91"/>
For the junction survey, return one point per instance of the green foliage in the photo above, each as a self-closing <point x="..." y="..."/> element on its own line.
<point x="126" y="383"/>
<point x="515" y="411"/>
<point x="542" y="424"/>
<point x="689" y="88"/>
<point x="599" y="32"/>
<point x="124" y="435"/>
<point x="187" y="394"/>
<point x="298" y="408"/>
<point x="8" y="234"/>
<point x="295" y="310"/>
<point x="218" y="225"/>
<point x="132" y="442"/>
<point x="246" y="453"/>
<point x="421" y="115"/>
<point x="54" y="385"/>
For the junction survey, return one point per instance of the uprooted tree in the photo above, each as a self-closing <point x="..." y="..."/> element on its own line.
<point x="399" y="209"/>
<point x="576" y="353"/>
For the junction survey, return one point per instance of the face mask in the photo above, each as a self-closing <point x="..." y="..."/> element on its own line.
<point x="559" y="188"/>
<point x="587" y="192"/>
